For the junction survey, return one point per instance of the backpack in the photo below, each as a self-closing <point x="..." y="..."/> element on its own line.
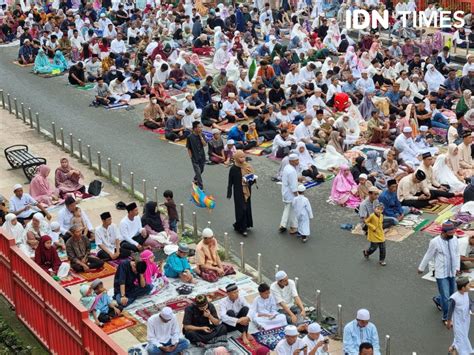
<point x="95" y="187"/>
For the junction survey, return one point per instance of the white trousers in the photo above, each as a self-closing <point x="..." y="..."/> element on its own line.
<point x="288" y="218"/>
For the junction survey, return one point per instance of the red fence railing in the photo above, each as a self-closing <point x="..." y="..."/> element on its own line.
<point x="51" y="313"/>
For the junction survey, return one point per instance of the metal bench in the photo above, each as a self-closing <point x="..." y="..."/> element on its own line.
<point x="18" y="156"/>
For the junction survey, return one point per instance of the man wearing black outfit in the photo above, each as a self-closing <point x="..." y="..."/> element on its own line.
<point x="195" y="145"/>
<point x="129" y="282"/>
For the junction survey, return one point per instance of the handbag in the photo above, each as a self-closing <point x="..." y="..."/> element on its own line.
<point x="184" y="289"/>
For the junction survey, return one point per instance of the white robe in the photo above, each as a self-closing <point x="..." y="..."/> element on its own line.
<point x="267" y="306"/>
<point x="408" y="150"/>
<point x="445" y="175"/>
<point x="303" y="212"/>
<point x="461" y="323"/>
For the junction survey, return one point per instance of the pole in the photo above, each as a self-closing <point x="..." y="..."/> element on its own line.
<point x="181" y="212"/>
<point x="61" y="134"/>
<point x="144" y="190"/>
<point x="119" y="167"/>
<point x="9" y="104"/>
<point x="71" y="144"/>
<point x="89" y="156"/>
<point x="242" y="259"/>
<point x="38" y="129"/>
<point x="99" y="162"/>
<point x="23" y="112"/>
<point x="259" y="268"/>
<point x="155" y="193"/>
<point x="132" y="183"/>
<point x="109" y="166"/>
<point x="195" y="225"/>
<point x="387" y="344"/>
<point x="3" y="99"/>
<point x="296" y="282"/>
<point x="30" y="116"/>
<point x="226" y="246"/>
<point x="53" y="129"/>
<point x="80" y="150"/>
<point x="277" y="267"/>
<point x="339" y="321"/>
<point x="15" y="102"/>
<point x="318" y="305"/>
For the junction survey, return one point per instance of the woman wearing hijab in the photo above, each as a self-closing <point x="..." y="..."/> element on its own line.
<point x="42" y="64"/>
<point x="375" y="169"/>
<point x="364" y="61"/>
<point x="13" y="228"/>
<point x="344" y="189"/>
<point x="40" y="188"/>
<point x="307" y="167"/>
<point x="152" y="222"/>
<point x="351" y="128"/>
<point x="68" y="179"/>
<point x="46" y="256"/>
<point x="327" y="65"/>
<point x="433" y="78"/>
<point x="336" y="140"/>
<point x="197" y="62"/>
<point x="59" y="62"/>
<point x="444" y="170"/>
<point x="366" y="106"/>
<point x="35" y="229"/>
<point x="465" y="103"/>
<point x="153" y="274"/>
<point x="241" y="187"/>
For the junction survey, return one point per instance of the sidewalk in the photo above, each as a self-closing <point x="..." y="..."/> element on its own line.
<point x="12" y="132"/>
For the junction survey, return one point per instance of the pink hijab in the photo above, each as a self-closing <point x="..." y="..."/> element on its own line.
<point x="152" y="270"/>
<point x="343" y="188"/>
<point x="40" y="189"/>
<point x="195" y="59"/>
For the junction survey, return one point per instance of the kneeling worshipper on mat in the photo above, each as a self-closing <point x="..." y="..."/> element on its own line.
<point x="107" y="239"/>
<point x="201" y="324"/>
<point x="291" y="343"/>
<point x="351" y="128"/>
<point x="446" y="169"/>
<point x="153" y="224"/>
<point x="177" y="264"/>
<point x="40" y="188"/>
<point x="465" y="155"/>
<point x="406" y="147"/>
<point x="436" y="189"/>
<point x="164" y="335"/>
<point x="307" y="167"/>
<point x="68" y="179"/>
<point x="59" y="62"/>
<point x="412" y="192"/>
<point x="344" y="189"/>
<point x="78" y="249"/>
<point x="359" y="331"/>
<point x="35" y="229"/>
<point x="24" y="206"/>
<point x="46" y="256"/>
<point x="286" y="296"/>
<point x="42" y="64"/>
<point x="315" y="341"/>
<point x="129" y="282"/>
<point x="392" y="207"/>
<point x="233" y="311"/>
<point x="153" y="272"/>
<point x="208" y="261"/>
<point x="264" y="310"/>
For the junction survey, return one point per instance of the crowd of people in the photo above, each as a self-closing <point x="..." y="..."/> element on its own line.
<point x="392" y="122"/>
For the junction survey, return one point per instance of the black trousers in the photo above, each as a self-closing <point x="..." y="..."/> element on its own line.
<point x="107" y="317"/>
<point x="23" y="220"/>
<point x="249" y="145"/>
<point x="124" y="253"/>
<point x="373" y="247"/>
<point x="171" y="136"/>
<point x="93" y="262"/>
<point x="198" y="167"/>
<point x="242" y="313"/>
<point x="200" y="336"/>
<point x="312" y="172"/>
<point x="129" y="246"/>
<point x="439" y="193"/>
<point x="416" y="203"/>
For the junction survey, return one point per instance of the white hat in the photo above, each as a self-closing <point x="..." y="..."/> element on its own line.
<point x="291" y="330"/>
<point x="280" y="275"/>
<point x="170" y="249"/>
<point x="272" y="37"/>
<point x="166" y="313"/>
<point x="407" y="130"/>
<point x="363" y="176"/>
<point x="314" y="328"/>
<point x="181" y="113"/>
<point x="363" y="314"/>
<point x="38" y="216"/>
<point x="415" y="76"/>
<point x="364" y="71"/>
<point x="230" y="141"/>
<point x="215" y="131"/>
<point x="453" y="120"/>
<point x="207" y="233"/>
<point x="301" y="188"/>
<point x="423" y="128"/>
<point x="231" y="94"/>
<point x="216" y="98"/>
<point x="54" y="225"/>
<point x="102" y="15"/>
<point x="318" y="89"/>
<point x="293" y="157"/>
<point x="17" y="186"/>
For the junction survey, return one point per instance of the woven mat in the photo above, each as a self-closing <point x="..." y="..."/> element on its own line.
<point x="23" y="65"/>
<point x="86" y="87"/>
<point x="119" y="323"/>
<point x="71" y="279"/>
<point x="243" y="348"/>
<point x="157" y="131"/>
<point x="456" y="200"/>
<point x="398" y="233"/>
<point x="50" y="75"/>
<point x="143" y="100"/>
<point x="437" y="208"/>
<point x="139" y="331"/>
<point x="434" y="229"/>
<point x="216" y="295"/>
<point x="103" y="272"/>
<point x="270" y="338"/>
<point x="176" y="305"/>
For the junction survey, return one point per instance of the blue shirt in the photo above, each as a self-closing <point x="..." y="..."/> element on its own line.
<point x="349" y="88"/>
<point x="176" y="265"/>
<point x="236" y="134"/>
<point x="102" y="305"/>
<point x="392" y="206"/>
<point x="355" y="335"/>
<point x="393" y="96"/>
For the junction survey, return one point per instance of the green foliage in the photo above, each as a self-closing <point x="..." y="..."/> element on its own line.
<point x="10" y="343"/>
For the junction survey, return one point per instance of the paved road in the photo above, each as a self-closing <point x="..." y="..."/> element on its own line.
<point x="399" y="301"/>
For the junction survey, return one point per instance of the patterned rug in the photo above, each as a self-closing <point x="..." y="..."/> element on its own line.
<point x="270" y="338"/>
<point x="139" y="331"/>
<point x="254" y="348"/>
<point x="436" y="208"/>
<point x="216" y="295"/>
<point x="434" y="229"/>
<point x="71" y="279"/>
<point x="119" y="323"/>
<point x="104" y="271"/>
<point x="456" y="200"/>
<point x="176" y="305"/>
<point x="398" y="233"/>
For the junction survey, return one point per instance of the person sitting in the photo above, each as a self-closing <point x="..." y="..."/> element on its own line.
<point x="35" y="229"/>
<point x="344" y="189"/>
<point x="237" y="134"/>
<point x="12" y="228"/>
<point x="291" y="343"/>
<point x="158" y="235"/>
<point x="42" y="64"/>
<point x="46" y="256"/>
<point x="436" y="189"/>
<point x="208" y="262"/>
<point x="68" y="179"/>
<point x="78" y="249"/>
<point x="392" y="207"/>
<point x="103" y="94"/>
<point x="358" y="331"/>
<point x="104" y="308"/>
<point x="412" y="192"/>
<point x="59" y="62"/>
<point x="211" y="114"/>
<point x="174" y="129"/>
<point x="265" y="127"/>
<point x="107" y="239"/>
<point x="153" y="115"/>
<point x="466" y="252"/>
<point x="307" y="168"/>
<point x="65" y="216"/>
<point x="201" y="324"/>
<point x="315" y="342"/>
<point x="264" y="310"/>
<point x="23" y="206"/>
<point x="129" y="282"/>
<point x="119" y="89"/>
<point x="406" y="147"/>
<point x="286" y="296"/>
<point x="233" y="311"/>
<point x="231" y="110"/>
<point x="177" y="265"/>
<point x="76" y="75"/>
<point x="367" y="207"/>
<point x="215" y="148"/>
<point x="25" y="54"/>
<point x="364" y="185"/>
<point x="133" y="234"/>
<point x="282" y="144"/>
<point x="163" y="334"/>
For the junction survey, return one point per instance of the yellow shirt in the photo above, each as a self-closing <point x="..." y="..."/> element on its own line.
<point x="375" y="232"/>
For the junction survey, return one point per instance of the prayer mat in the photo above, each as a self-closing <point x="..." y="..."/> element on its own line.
<point x="157" y="131"/>
<point x="139" y="331"/>
<point x="147" y="312"/>
<point x="139" y="101"/>
<point x="50" y="75"/>
<point x="11" y="44"/>
<point x="119" y="323"/>
<point x="71" y="279"/>
<point x="176" y="305"/>
<point x="310" y="184"/>
<point x="255" y="151"/>
<point x="253" y="348"/>
<point x="179" y="305"/>
<point x="103" y="272"/>
<point x="207" y="135"/>
<point x="436" y="208"/>
<point x="181" y="143"/>
<point x="216" y="295"/>
<point x="174" y="92"/>
<point x="270" y="338"/>
<point x="444" y="216"/>
<point x="440" y="131"/>
<point x="421" y="225"/>
<point x="23" y="65"/>
<point x="434" y="229"/>
<point x="456" y="200"/>
<point x="116" y="106"/>
<point x="117" y="262"/>
<point x="274" y="158"/>
<point x="398" y="233"/>
<point x="86" y="87"/>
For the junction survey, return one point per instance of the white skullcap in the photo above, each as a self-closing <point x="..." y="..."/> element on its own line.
<point x="216" y="98"/>
<point x="364" y="71"/>
<point x="314" y="328"/>
<point x="363" y="314"/>
<point x="293" y="157"/>
<point x="363" y="176"/>
<point x="207" y="233"/>
<point x="215" y="131"/>
<point x="231" y="94"/>
<point x="54" y="225"/>
<point x="280" y="275"/>
<point x="181" y="113"/>
<point x="318" y="89"/>
<point x="17" y="186"/>
<point x="301" y="188"/>
<point x="38" y="216"/>
<point x="423" y="128"/>
<point x="230" y="141"/>
<point x="102" y="15"/>
<point x="166" y="313"/>
<point x="407" y="130"/>
<point x="453" y="120"/>
<point x="291" y="330"/>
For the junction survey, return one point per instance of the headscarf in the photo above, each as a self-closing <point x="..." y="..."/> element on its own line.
<point x="44" y="255"/>
<point x="326" y="66"/>
<point x="364" y="61"/>
<point x="343" y="184"/>
<point x="465" y="103"/>
<point x="335" y="141"/>
<point x="151" y="217"/>
<point x="245" y="169"/>
<point x="371" y="162"/>
<point x="152" y="269"/>
<point x="42" y="64"/>
<point x="304" y="157"/>
<point x="452" y="159"/>
<point x="433" y="78"/>
<point x="16" y="231"/>
<point x="297" y="32"/>
<point x="366" y="106"/>
<point x="59" y="60"/>
<point x="40" y="185"/>
<point x="373" y="51"/>
<point x="195" y="59"/>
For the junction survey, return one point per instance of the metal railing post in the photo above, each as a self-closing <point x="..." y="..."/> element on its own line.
<point x="53" y="129"/>
<point x="22" y="105"/>
<point x="71" y="145"/>
<point x="242" y="258"/>
<point x="318" y="305"/>
<point x="109" y="167"/>
<point x="339" y="321"/>
<point x="277" y="267"/>
<point x="226" y="246"/>
<point x="387" y="344"/>
<point x="89" y="156"/>
<point x="61" y="135"/>
<point x="144" y="190"/>
<point x="15" y="102"/>
<point x="155" y="194"/>
<point x="296" y="282"/>
<point x="120" y="180"/>
<point x="259" y="268"/>
<point x="79" y="141"/>
<point x="132" y="183"/>
<point x="9" y="104"/>
<point x="99" y="163"/>
<point x="181" y="215"/>
<point x="30" y="116"/>
<point x="195" y="225"/>
<point x="38" y="128"/>
<point x="3" y="99"/>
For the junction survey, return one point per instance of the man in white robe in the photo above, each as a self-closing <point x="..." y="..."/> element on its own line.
<point x="264" y="310"/>
<point x="303" y="212"/>
<point x="459" y="317"/>
<point x="289" y="190"/>
<point x="315" y="341"/>
<point x="290" y="344"/>
<point x="221" y="57"/>
<point x="163" y="334"/>
<point x="407" y="148"/>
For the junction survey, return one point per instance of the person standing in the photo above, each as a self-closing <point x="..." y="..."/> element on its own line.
<point x="303" y="213"/>
<point x="444" y="250"/>
<point x="375" y="234"/>
<point x="242" y="188"/>
<point x="459" y="317"/>
<point x="195" y="145"/>
<point x="289" y="190"/>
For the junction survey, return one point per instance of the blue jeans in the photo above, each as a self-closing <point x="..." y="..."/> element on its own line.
<point x="178" y="86"/>
<point x="405" y="210"/>
<point x="298" y="119"/>
<point x="446" y="288"/>
<point x="312" y="147"/>
<point x="134" y="293"/>
<point x="174" y="225"/>
<point x="183" y="344"/>
<point x="439" y="121"/>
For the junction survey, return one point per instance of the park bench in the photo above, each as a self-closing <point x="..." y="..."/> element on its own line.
<point x="18" y="156"/>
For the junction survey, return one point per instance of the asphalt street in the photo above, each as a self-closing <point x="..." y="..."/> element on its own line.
<point x="398" y="299"/>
